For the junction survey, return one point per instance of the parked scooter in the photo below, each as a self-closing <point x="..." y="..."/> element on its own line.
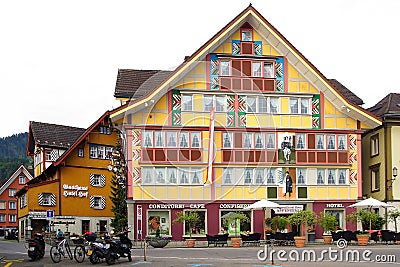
<point x="119" y="248"/>
<point x="98" y="249"/>
<point x="36" y="247"/>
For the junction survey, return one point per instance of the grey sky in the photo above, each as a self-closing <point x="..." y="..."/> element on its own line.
<point x="59" y="59"/>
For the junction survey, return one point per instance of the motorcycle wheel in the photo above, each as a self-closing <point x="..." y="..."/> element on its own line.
<point x="110" y="259"/>
<point x="94" y="258"/>
<point x="33" y="256"/>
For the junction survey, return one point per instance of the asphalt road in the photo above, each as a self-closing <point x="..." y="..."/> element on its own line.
<point x="14" y="254"/>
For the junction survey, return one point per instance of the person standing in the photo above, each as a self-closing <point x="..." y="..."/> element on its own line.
<point x="289" y="184"/>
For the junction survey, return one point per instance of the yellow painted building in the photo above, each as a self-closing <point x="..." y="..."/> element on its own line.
<point x="72" y="193"/>
<point x="222" y="130"/>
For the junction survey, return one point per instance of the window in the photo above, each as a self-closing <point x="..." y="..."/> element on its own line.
<point x="300" y="141"/>
<point x="45" y="199"/>
<point x="207" y="103"/>
<point x="342" y="176"/>
<point x="2" y="205"/>
<point x="225" y="67"/>
<point x="342" y="143"/>
<point x="274" y="105"/>
<point x="196" y="176"/>
<point x="256" y="67"/>
<point x="294" y="105"/>
<point x="48" y="155"/>
<point x="247" y="35"/>
<point x="183" y="139"/>
<point x="21" y="179"/>
<point x="301" y="176"/>
<point x="171" y="175"/>
<point x="148" y="139"/>
<point x="159" y="138"/>
<point x="2" y="218"/>
<point x="11" y="192"/>
<point x="331" y="176"/>
<point x="104" y="130"/>
<point x="375" y="145"/>
<point x="321" y="176"/>
<point x="251" y="104"/>
<point x="158" y="220"/>
<point x="147" y="175"/>
<point x="320" y="141"/>
<point x="268" y="70"/>
<point x="97" y="202"/>
<point x="227" y="176"/>
<point x="375" y="179"/>
<point x="195" y="139"/>
<point x="242" y="226"/>
<point x="248" y="176"/>
<point x="81" y="152"/>
<point x="171" y="139"/>
<point x="262" y="104"/>
<point x="97" y="179"/>
<point x="160" y="179"/>
<point x="227" y="140"/>
<point x="259" y="179"/>
<point x="187" y="103"/>
<point x="259" y="137"/>
<point x="100" y="152"/>
<point x="270" y="140"/>
<point x="85" y="226"/>
<point x="270" y="176"/>
<point x="12" y="217"/>
<point x="220" y="103"/>
<point x="248" y="140"/>
<point x="12" y="205"/>
<point x="331" y="141"/>
<point x="23" y="201"/>
<point x="200" y="227"/>
<point x="184" y="176"/>
<point x="305" y="104"/>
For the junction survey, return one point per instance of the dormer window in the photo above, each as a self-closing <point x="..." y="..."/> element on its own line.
<point x="247" y="35"/>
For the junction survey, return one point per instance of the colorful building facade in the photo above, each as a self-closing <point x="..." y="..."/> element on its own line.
<point x="222" y="130"/>
<point x="8" y="202"/>
<point x="73" y="192"/>
<point x="381" y="161"/>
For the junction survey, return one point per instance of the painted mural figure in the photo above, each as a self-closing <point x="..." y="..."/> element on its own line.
<point x="286" y="145"/>
<point x="289" y="184"/>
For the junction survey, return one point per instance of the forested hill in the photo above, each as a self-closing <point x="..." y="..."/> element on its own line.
<point x="13" y="154"/>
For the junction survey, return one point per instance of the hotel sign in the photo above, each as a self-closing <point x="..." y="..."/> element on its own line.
<point x="288" y="209"/>
<point x="75" y="191"/>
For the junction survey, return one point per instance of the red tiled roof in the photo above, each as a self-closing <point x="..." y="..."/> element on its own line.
<point x="137" y="83"/>
<point x="389" y="105"/>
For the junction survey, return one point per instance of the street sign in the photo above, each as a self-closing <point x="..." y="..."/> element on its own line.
<point x="50" y="214"/>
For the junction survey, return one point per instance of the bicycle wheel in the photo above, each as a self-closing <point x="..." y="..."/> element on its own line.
<point x="68" y="249"/>
<point x="79" y="253"/>
<point x="55" y="254"/>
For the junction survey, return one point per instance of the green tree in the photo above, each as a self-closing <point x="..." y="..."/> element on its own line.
<point x="393" y="216"/>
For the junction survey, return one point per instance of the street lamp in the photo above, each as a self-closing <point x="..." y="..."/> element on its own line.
<point x="394" y="174"/>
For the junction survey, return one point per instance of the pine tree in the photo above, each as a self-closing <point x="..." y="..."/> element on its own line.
<point x="118" y="190"/>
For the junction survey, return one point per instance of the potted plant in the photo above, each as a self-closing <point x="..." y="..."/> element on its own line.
<point x="363" y="239"/>
<point x="157" y="241"/>
<point x="369" y="220"/>
<point x="234" y="219"/>
<point x="393" y="216"/>
<point x="191" y="218"/>
<point x="328" y="223"/>
<point x="300" y="219"/>
<point x="279" y="223"/>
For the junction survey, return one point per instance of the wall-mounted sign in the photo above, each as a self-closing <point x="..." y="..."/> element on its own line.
<point x="75" y="191"/>
<point x="288" y="209"/>
<point x="233" y="206"/>
<point x="177" y="206"/>
<point x="334" y="205"/>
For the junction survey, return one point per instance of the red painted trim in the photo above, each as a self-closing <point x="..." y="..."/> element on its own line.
<point x="322" y="109"/>
<point x="359" y="167"/>
<point x="169" y="103"/>
<point x="129" y="163"/>
<point x="285" y="74"/>
<point x="59" y="193"/>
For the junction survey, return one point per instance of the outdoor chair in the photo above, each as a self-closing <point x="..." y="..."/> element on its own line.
<point x="349" y="236"/>
<point x="388" y="236"/>
<point x="290" y="237"/>
<point x="211" y="240"/>
<point x="251" y="239"/>
<point x="222" y="239"/>
<point x="336" y="236"/>
<point x="374" y="236"/>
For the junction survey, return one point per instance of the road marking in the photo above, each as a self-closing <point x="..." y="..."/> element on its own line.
<point x="141" y="262"/>
<point x="10" y="262"/>
<point x="199" y="264"/>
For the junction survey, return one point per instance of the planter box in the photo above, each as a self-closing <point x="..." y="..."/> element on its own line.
<point x="311" y="237"/>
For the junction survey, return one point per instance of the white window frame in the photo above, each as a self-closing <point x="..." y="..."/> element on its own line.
<point x="340" y="136"/>
<point x="97" y="202"/>
<point x="256" y="138"/>
<point x="333" y="172"/>
<point x="317" y="136"/>
<point x="93" y="152"/>
<point x="147" y="138"/>
<point x="225" y="68"/>
<point x="174" y="172"/>
<point x="192" y="136"/>
<point x="21" y="179"/>
<point x="256" y="69"/>
<point x="184" y="135"/>
<point x="208" y="103"/>
<point x="344" y="176"/>
<point x="248" y="180"/>
<point x="196" y="173"/>
<point x="305" y="110"/>
<point x="12" y="192"/>
<point x="251" y="108"/>
<point x="3" y="204"/>
<point x="262" y="104"/>
<point x="298" y="135"/>
<point x="46" y="199"/>
<point x="12" y="218"/>
<point x="246" y="35"/>
<point x="270" y="176"/>
<point x="248" y="138"/>
<point x="96" y="179"/>
<point x="374" y="145"/>
<point x="321" y="182"/>
<point x="218" y="105"/>
<point x="160" y="176"/>
<point x="270" y="67"/>
<point x="48" y="154"/>
<point x="227" y="177"/>
<point x="2" y="217"/>
<point x="329" y="137"/>
<point x="12" y="205"/>
<point x="228" y="135"/>
<point x="158" y="134"/>
<point x="172" y="139"/>
<point x="271" y="108"/>
<point x="184" y="180"/>
<point x="293" y="105"/>
<point x="81" y="152"/>
<point x="187" y="103"/>
<point x="267" y="145"/>
<point x="375" y="179"/>
<point x="23" y="201"/>
<point x="301" y="173"/>
<point x="147" y="175"/>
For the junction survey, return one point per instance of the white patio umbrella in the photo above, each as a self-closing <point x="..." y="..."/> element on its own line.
<point x="262" y="204"/>
<point x="370" y="203"/>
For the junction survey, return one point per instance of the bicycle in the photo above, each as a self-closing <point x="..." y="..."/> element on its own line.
<point x="59" y="250"/>
<point x="80" y="250"/>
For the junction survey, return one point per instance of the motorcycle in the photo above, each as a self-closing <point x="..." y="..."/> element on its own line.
<point x="36" y="247"/>
<point x="97" y="250"/>
<point x="119" y="248"/>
